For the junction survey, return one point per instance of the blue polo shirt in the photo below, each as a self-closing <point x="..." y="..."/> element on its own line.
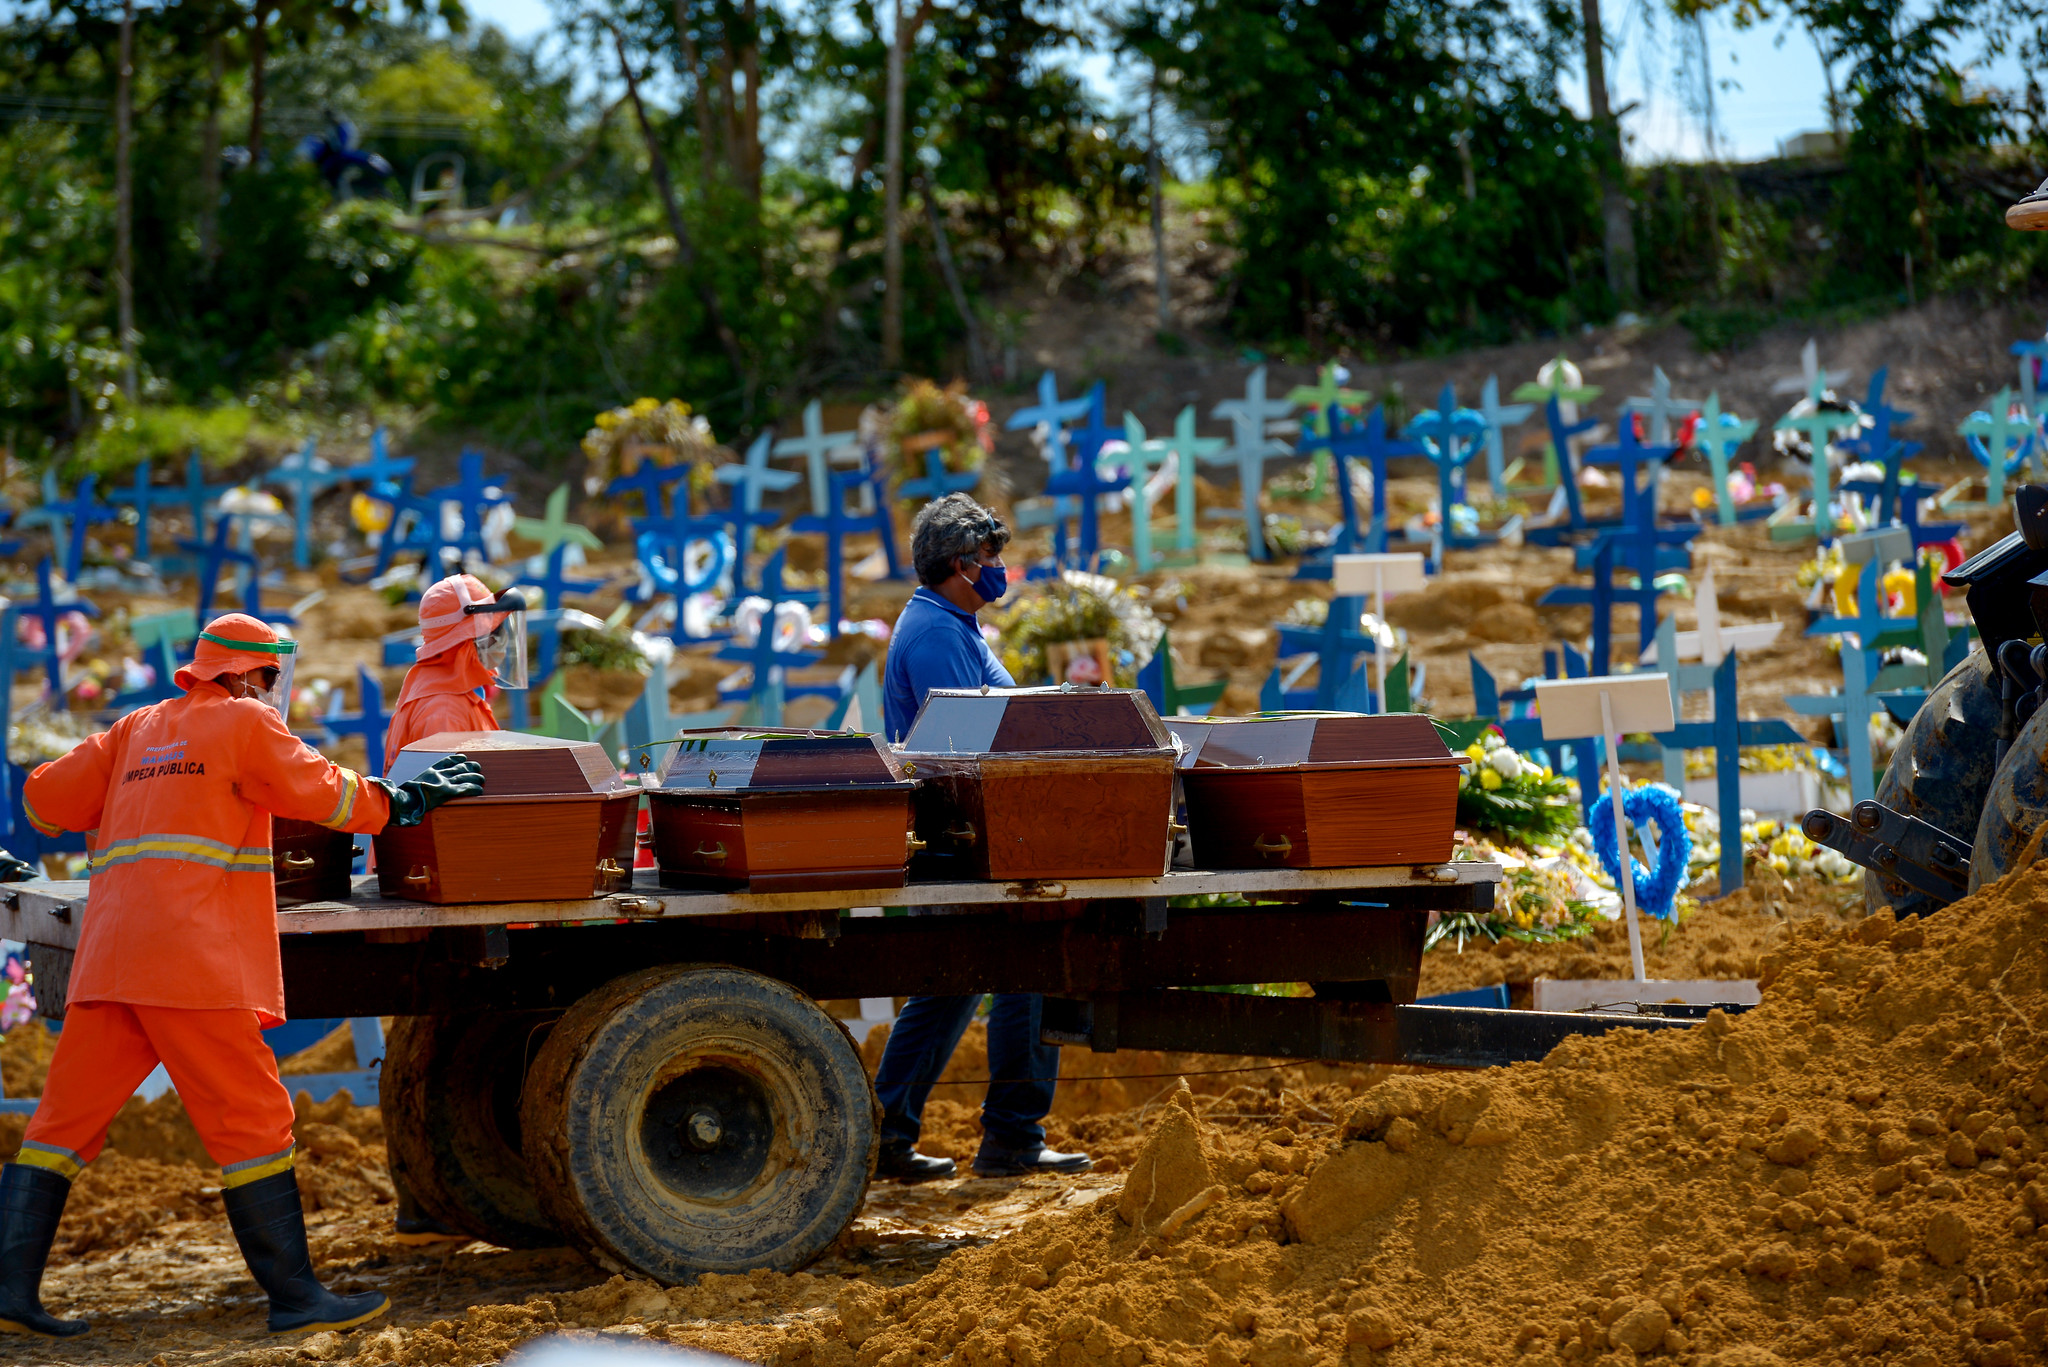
<point x="935" y="645"/>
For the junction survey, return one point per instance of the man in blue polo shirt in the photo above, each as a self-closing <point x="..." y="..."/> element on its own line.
<point x="956" y="546"/>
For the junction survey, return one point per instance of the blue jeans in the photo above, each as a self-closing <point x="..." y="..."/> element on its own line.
<point x="921" y="1043"/>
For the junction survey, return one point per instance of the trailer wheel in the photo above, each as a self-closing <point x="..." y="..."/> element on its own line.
<point x="450" y="1094"/>
<point x="687" y="1120"/>
<point x="1941" y="771"/>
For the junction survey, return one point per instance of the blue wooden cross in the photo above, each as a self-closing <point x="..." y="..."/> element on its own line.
<point x="215" y="554"/>
<point x="159" y="637"/>
<point x="677" y="580"/>
<point x="1250" y="449"/>
<point x="1877" y="445"/>
<point x="877" y="496"/>
<point x="1369" y="442"/>
<point x="1727" y="735"/>
<point x="416" y="525"/>
<point x="199" y="496"/>
<point x="1337" y="645"/>
<point x="1561" y="434"/>
<point x="557" y="584"/>
<point x="1852" y="709"/>
<point x="1084" y="479"/>
<point x="1054" y="413"/>
<point x="1721" y="435"/>
<point x="739" y="525"/>
<point x="1659" y="407"/>
<point x="1820" y="426"/>
<point x="1169" y="697"/>
<point x="1326" y="393"/>
<point x="305" y="474"/>
<point x="938" y="481"/>
<point x="1908" y="495"/>
<point x="1499" y="418"/>
<point x="369" y="720"/>
<point x="835" y="526"/>
<point x="76" y="516"/>
<point x="817" y="447"/>
<point x="48" y="608"/>
<point x="1450" y="437"/>
<point x="651" y="482"/>
<point x="473" y="498"/>
<point x="143" y="496"/>
<point x="648" y="722"/>
<point x="1627" y="453"/>
<point x="1871" y="628"/>
<point x="754" y="475"/>
<point x="1607" y="557"/>
<point x="765" y="688"/>
<point x="380" y="470"/>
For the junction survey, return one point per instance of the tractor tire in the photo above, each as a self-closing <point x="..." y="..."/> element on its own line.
<point x="683" y="1120"/>
<point x="1942" y="771"/>
<point x="450" y="1092"/>
<point x="2016" y="807"/>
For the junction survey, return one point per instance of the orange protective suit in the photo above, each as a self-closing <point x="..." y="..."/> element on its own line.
<point x="440" y="694"/>
<point x="177" y="956"/>
<point x="224" y="1072"/>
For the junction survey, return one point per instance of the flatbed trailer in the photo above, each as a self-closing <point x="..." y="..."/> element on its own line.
<point x="662" y="1090"/>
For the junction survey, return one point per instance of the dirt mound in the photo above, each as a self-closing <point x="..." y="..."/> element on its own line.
<point x="1725" y="938"/>
<point x="1851" y="1171"/>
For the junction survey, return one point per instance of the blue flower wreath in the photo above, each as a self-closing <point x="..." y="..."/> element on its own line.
<point x="1656" y="893"/>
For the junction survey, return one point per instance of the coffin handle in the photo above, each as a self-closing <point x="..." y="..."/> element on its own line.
<point x="608" y="869"/>
<point x="298" y="863"/>
<point x="911" y="844"/>
<point x="1174" y="830"/>
<point x="716" y="855"/>
<point x="420" y="877"/>
<point x="964" y="833"/>
<point x="1274" y="846"/>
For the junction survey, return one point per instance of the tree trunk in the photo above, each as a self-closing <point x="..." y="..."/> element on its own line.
<point x="750" y="119"/>
<point x="1619" y="233"/>
<point x="694" y="72"/>
<point x="892" y="199"/>
<point x="259" y="41"/>
<point x="686" y="248"/>
<point x="977" y="358"/>
<point x="124" y="199"/>
<point x="209" y="155"/>
<point x="1155" y="173"/>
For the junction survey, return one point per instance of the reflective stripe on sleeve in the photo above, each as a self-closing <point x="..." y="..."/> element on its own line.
<point x="344" y="810"/>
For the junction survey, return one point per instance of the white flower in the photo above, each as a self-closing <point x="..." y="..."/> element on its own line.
<point x="1506" y="763"/>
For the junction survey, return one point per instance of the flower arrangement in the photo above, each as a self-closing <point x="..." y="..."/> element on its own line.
<point x="1074" y="608"/>
<point x="1511" y="795"/>
<point x="19" y="1006"/>
<point x="926" y="417"/>
<point x="1788" y="852"/>
<point x="1544" y="896"/>
<point x="666" y="432"/>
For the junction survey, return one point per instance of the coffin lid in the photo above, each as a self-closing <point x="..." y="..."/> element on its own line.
<point x="1310" y="739"/>
<point x="1035" y="720"/>
<point x="516" y="764"/>
<point x="755" y="759"/>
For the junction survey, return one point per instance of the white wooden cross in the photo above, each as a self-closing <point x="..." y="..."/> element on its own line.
<point x="1809" y="372"/>
<point x="818" y="449"/>
<point x="1660" y="407"/>
<point x="1499" y="418"/>
<point x="1250" y="449"/>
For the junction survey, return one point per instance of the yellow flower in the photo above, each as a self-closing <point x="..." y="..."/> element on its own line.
<point x="1490" y="779"/>
<point x="1702" y="498"/>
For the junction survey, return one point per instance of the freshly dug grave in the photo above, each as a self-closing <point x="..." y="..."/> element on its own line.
<point x="1724" y="938"/>
<point x="1849" y="1172"/>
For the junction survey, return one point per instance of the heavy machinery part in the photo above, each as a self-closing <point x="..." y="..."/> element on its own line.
<point x="450" y="1096"/>
<point x="1927" y="859"/>
<point x="1941" y="771"/>
<point x="683" y="1120"/>
<point x="2016" y="807"/>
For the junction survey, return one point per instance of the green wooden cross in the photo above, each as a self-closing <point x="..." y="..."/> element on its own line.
<point x="552" y="530"/>
<point x="1188" y="449"/>
<point x="1569" y="396"/>
<point x="1168" y="695"/>
<point x="1144" y="456"/>
<point x="1720" y="435"/>
<point x="559" y="717"/>
<point x="1997" y="430"/>
<point x="1819" y="426"/>
<point x="1318" y="397"/>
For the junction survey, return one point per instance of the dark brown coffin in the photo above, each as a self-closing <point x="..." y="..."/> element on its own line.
<point x="781" y="811"/>
<point x="555" y="824"/>
<point x="1326" y="790"/>
<point x="1042" y="783"/>
<point x="309" y="862"/>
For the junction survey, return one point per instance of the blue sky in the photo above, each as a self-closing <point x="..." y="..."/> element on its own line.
<point x="1769" y="80"/>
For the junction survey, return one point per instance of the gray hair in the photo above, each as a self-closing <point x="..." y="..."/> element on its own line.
<point x="949" y="528"/>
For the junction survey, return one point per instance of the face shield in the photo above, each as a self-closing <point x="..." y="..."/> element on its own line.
<point x="273" y="690"/>
<point x="501" y="647"/>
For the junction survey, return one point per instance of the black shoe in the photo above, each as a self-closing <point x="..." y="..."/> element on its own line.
<point x="31" y="1202"/>
<point x="994" y="1162"/>
<point x="901" y="1163"/>
<point x="270" y="1225"/>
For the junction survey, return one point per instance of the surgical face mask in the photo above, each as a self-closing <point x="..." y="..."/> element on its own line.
<point x="992" y="583"/>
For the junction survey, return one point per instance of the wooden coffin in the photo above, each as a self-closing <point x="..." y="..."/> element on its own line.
<point x="555" y="823"/>
<point x="1037" y="783"/>
<point x="309" y="862"/>
<point x="1317" y="791"/>
<point x="781" y="811"/>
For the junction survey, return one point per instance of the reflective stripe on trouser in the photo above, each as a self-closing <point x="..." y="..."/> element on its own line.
<point x="224" y="1072"/>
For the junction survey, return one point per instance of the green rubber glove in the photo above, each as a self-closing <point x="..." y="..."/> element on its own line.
<point x="14" y="870"/>
<point x="451" y="776"/>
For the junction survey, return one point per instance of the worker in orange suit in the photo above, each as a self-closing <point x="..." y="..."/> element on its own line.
<point x="469" y="641"/>
<point x="177" y="960"/>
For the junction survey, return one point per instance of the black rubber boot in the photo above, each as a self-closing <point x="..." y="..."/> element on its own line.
<point x="31" y="1202"/>
<point x="902" y="1163"/>
<point x="270" y="1225"/>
